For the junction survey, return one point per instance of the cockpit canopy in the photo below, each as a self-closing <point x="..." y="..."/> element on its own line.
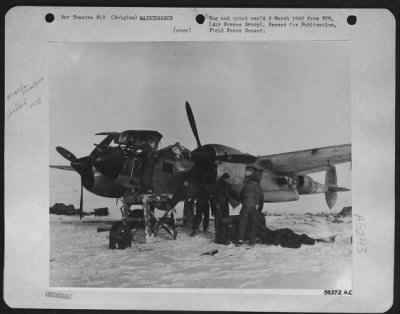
<point x="139" y="138"/>
<point x="175" y="152"/>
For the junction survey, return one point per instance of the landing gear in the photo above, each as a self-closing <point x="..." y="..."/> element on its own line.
<point x="153" y="223"/>
<point x="120" y="233"/>
<point x="166" y="222"/>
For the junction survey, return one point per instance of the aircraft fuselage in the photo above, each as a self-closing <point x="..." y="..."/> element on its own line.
<point x="277" y="188"/>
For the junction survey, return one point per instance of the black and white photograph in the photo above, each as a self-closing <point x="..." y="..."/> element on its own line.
<point x="199" y="159"/>
<point x="200" y="165"/>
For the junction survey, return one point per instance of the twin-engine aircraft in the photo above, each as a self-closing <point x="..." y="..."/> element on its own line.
<point x="121" y="164"/>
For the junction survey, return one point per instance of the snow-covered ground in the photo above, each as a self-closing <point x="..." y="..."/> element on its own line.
<point x="79" y="257"/>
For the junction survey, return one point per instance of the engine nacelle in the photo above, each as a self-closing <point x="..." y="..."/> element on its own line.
<point x="284" y="195"/>
<point x="307" y="185"/>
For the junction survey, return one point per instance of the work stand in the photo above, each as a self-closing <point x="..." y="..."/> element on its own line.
<point x="121" y="231"/>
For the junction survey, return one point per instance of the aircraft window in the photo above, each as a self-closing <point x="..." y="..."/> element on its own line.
<point x="152" y="142"/>
<point x="167" y="167"/>
<point x="185" y="155"/>
<point x="122" y="138"/>
<point x="249" y="171"/>
<point x="177" y="151"/>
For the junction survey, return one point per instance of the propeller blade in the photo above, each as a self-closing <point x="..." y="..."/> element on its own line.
<point x="103" y="144"/>
<point x="116" y="199"/>
<point x="88" y="180"/>
<point x="65" y="153"/>
<point x="331" y="180"/>
<point x="81" y="200"/>
<point x="192" y="123"/>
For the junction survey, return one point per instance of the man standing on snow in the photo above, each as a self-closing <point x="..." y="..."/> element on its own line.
<point x="221" y="201"/>
<point x="251" y="197"/>
<point x="202" y="211"/>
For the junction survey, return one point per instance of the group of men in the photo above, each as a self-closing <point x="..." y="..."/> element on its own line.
<point x="252" y="199"/>
<point x="251" y="222"/>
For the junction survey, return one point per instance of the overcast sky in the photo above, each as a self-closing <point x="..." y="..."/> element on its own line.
<point x="261" y="98"/>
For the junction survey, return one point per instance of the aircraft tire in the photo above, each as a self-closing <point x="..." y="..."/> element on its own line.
<point x="120" y="236"/>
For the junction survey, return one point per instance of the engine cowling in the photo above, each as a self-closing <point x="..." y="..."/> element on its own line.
<point x="307" y="185"/>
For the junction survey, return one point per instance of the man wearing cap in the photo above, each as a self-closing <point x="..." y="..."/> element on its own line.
<point x="251" y="197"/>
<point x="221" y="201"/>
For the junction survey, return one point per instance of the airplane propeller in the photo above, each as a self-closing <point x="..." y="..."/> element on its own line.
<point x="83" y="167"/>
<point x="206" y="154"/>
<point x="105" y="159"/>
<point x="192" y="123"/>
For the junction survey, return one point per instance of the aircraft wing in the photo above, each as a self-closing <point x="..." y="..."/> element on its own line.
<point x="306" y="161"/>
<point x="69" y="168"/>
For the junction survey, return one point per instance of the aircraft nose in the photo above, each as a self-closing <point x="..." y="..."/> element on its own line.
<point x="82" y="165"/>
<point x="109" y="162"/>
